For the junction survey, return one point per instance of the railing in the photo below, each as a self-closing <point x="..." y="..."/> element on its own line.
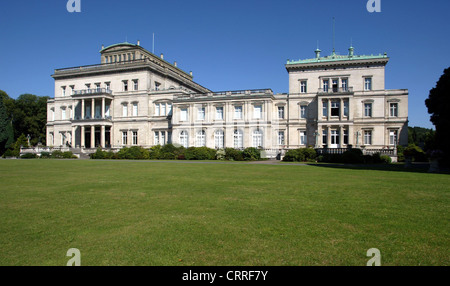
<point x="389" y="152"/>
<point x="225" y="93"/>
<point x="335" y="90"/>
<point x="91" y="91"/>
<point x="88" y="117"/>
<point x="97" y="66"/>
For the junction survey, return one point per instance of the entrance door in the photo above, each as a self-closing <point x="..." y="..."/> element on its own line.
<point x="334" y="139"/>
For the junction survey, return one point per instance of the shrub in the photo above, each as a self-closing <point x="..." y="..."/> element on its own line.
<point x="45" y="155"/>
<point x="29" y="156"/>
<point x="69" y="155"/>
<point x="386" y="159"/>
<point x="353" y="156"/>
<point x="155" y="152"/>
<point x="57" y="154"/>
<point x="232" y="154"/>
<point x="415" y="152"/>
<point x="220" y="154"/>
<point x="310" y="154"/>
<point x="200" y="153"/>
<point x="251" y="154"/>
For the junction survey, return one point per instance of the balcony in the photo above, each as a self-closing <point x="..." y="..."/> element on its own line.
<point x="90" y="118"/>
<point x="336" y="90"/>
<point x="92" y="91"/>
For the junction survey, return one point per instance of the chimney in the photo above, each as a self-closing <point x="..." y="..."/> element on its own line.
<point x="317" y="53"/>
<point x="139" y="43"/>
<point x="190" y="73"/>
<point x="175" y="64"/>
<point x="103" y="46"/>
<point x="351" y="51"/>
<point x="162" y="56"/>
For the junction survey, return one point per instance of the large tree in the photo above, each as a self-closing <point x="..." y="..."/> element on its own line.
<point x="6" y="128"/>
<point x="438" y="104"/>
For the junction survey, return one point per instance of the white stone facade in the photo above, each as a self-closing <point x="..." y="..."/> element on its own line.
<point x="136" y="98"/>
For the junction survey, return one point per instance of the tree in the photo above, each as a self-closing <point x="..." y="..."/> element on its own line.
<point x="438" y="104"/>
<point x="6" y="129"/>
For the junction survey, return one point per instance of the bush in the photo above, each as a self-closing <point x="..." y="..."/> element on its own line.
<point x="45" y="155"/>
<point x="251" y="154"/>
<point x="294" y="155"/>
<point x="57" y="154"/>
<point x="232" y="154"/>
<point x="415" y="153"/>
<point x="200" y="153"/>
<point x="310" y="154"/>
<point x="69" y="155"/>
<point x="133" y="153"/>
<point x="29" y="156"/>
<point x="220" y="154"/>
<point x="385" y="159"/>
<point x="353" y="156"/>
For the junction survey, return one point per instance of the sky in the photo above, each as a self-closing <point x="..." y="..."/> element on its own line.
<point x="227" y="44"/>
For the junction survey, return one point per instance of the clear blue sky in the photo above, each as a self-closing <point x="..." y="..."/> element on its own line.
<point x="227" y="44"/>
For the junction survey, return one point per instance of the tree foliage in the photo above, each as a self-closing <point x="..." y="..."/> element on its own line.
<point x="438" y="104"/>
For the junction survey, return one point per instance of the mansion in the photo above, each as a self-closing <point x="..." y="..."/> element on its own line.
<point x="135" y="98"/>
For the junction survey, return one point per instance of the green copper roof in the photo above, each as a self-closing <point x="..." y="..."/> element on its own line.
<point x="119" y="44"/>
<point x="336" y="58"/>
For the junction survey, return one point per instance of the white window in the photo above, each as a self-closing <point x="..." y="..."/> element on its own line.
<point x="257" y="111"/>
<point x="334" y="137"/>
<point x="163" y="137"/>
<point x="393" y="137"/>
<point x="163" y="109"/>
<point x="346" y="108"/>
<point x="63" y="113"/>
<point x="52" y="113"/>
<point x="367" y="83"/>
<point x="184" y="139"/>
<point x="280" y="138"/>
<point x="393" y="107"/>
<point x="52" y="139"/>
<point x="200" y="140"/>
<point x="219" y="113"/>
<point x="157" y="138"/>
<point x="136" y="84"/>
<point x="238" y="112"/>
<point x="326" y="83"/>
<point x="303" y="111"/>
<point x="157" y="109"/>
<point x="325" y="108"/>
<point x="280" y="112"/>
<point x="125" y="85"/>
<point x="368" y="109"/>
<point x="135" y="138"/>
<point x="238" y="139"/>
<point x="135" y="109"/>
<point x="124" y="109"/>
<point x="345" y="84"/>
<point x="303" y="87"/>
<point x="367" y="137"/>
<point x="257" y="137"/>
<point x="183" y="114"/>
<point x="169" y="109"/>
<point x="302" y="137"/>
<point x="63" y="91"/>
<point x="201" y="113"/>
<point x="124" y="137"/>
<point x="218" y="139"/>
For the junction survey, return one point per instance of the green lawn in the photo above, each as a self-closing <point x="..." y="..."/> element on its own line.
<point x="155" y="213"/>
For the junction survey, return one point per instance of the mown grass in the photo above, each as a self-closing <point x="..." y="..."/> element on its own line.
<point x="157" y="213"/>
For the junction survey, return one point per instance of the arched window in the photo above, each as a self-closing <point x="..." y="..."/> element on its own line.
<point x="257" y="138"/>
<point x="184" y="139"/>
<point x="219" y="139"/>
<point x="238" y="139"/>
<point x="201" y="139"/>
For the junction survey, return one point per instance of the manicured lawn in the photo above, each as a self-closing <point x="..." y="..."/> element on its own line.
<point x="154" y="213"/>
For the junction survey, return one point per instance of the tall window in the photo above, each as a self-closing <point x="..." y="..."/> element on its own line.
<point x="367" y="137"/>
<point x="393" y="137"/>
<point x="219" y="113"/>
<point x="135" y="138"/>
<point x="325" y="108"/>
<point x="280" y="138"/>
<point x="344" y="84"/>
<point x="124" y="137"/>
<point x="183" y="114"/>
<point x="303" y="111"/>
<point x="200" y="140"/>
<point x="108" y="86"/>
<point x="136" y="84"/>
<point x="218" y="139"/>
<point x="201" y="113"/>
<point x="335" y="86"/>
<point x="125" y="85"/>
<point x="124" y="110"/>
<point x="326" y="83"/>
<point x="238" y="139"/>
<point x="184" y="139"/>
<point x="335" y="108"/>
<point x="257" y="137"/>
<point x="393" y="107"/>
<point x="303" y="87"/>
<point x="238" y="112"/>
<point x="345" y="136"/>
<point x="324" y="137"/>
<point x="367" y="83"/>
<point x="163" y="109"/>
<point x="157" y="138"/>
<point x="302" y="137"/>
<point x="63" y="113"/>
<point x="368" y="109"/>
<point x="52" y="113"/>
<point x="346" y="102"/>
<point x="63" y="91"/>
<point x="135" y="109"/>
<point x="280" y="112"/>
<point x="334" y="137"/>
<point x="257" y="111"/>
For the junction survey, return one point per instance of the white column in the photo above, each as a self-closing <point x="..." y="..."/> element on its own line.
<point x="73" y="136"/>
<point x="92" y="136"/>
<point x="103" y="108"/>
<point x="102" y="136"/>
<point x="82" y="109"/>
<point x="82" y="143"/>
<point x="93" y="109"/>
